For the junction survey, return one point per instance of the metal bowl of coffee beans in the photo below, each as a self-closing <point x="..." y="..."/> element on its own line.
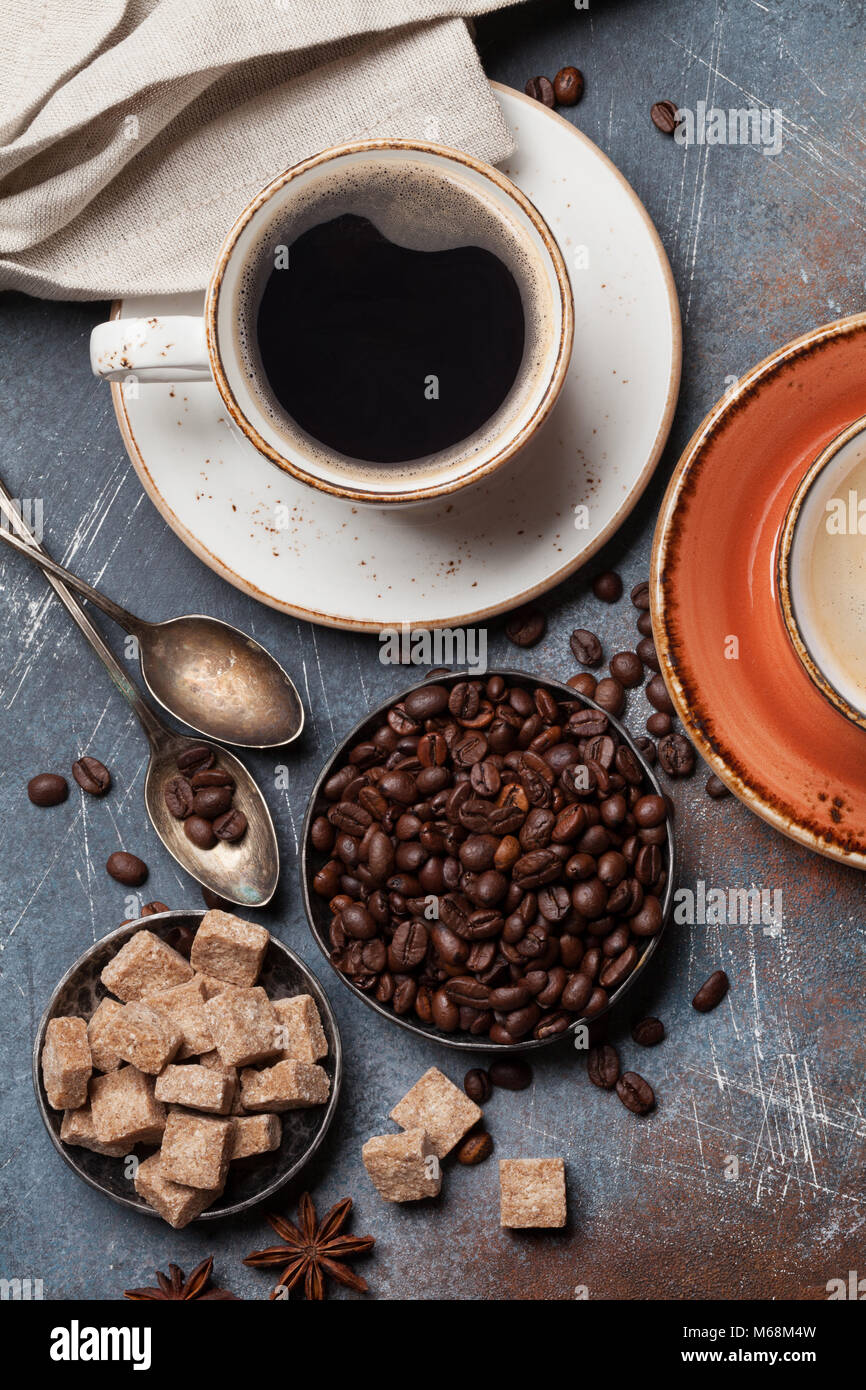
<point x="488" y="862"/>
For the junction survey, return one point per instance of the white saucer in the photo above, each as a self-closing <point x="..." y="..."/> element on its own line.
<point x="493" y="546"/>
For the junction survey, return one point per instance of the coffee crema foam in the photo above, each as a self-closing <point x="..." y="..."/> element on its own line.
<point x="422" y="208"/>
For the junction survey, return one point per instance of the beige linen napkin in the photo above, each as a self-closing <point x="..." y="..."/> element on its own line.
<point x="132" y="132"/>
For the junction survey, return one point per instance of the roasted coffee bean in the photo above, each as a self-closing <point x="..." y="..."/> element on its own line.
<point x="92" y="776"/>
<point x="606" y="586"/>
<point x="583" y="683"/>
<point x="711" y="992"/>
<point x="513" y="1075"/>
<point x="126" y="868"/>
<point x="649" y="1032"/>
<point x="646" y="650"/>
<point x="657" y="694"/>
<point x="664" y="116"/>
<point x="527" y="626"/>
<point x="645" y="624"/>
<point x="211" y="802"/>
<point x="650" y="810"/>
<point x="647" y="749"/>
<point x="617" y="971"/>
<point x="200" y="832"/>
<point x="231" y="827"/>
<point x="677" y="756"/>
<point x="716" y="787"/>
<point x="466" y="991"/>
<point x="568" y="89"/>
<point x="610" y="695"/>
<point x="627" y="667"/>
<point x="195" y="758"/>
<point x="151" y="909"/>
<point x="640" y="595"/>
<point x="659" y="724"/>
<point x="426" y="702"/>
<point x="477" y="1085"/>
<point x="648" y="919"/>
<point x="212" y="777"/>
<point x="576" y="994"/>
<point x="541" y="89"/>
<point x="585" y="647"/>
<point x="474" y="1148"/>
<point x="602" y="1066"/>
<point x="635" y="1093"/>
<point x="47" y="789"/>
<point x="648" y="865"/>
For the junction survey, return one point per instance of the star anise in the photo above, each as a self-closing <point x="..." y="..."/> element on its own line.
<point x="314" y="1252"/>
<point x="174" y="1285"/>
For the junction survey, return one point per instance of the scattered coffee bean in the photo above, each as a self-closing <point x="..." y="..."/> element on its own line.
<point x="514" y="1075"/>
<point x="583" y="683"/>
<point x="647" y="748"/>
<point x="602" y="1065"/>
<point x="657" y="694"/>
<point x="541" y="89"/>
<point x="230" y="827"/>
<point x="640" y="595"/>
<point x="649" y="1032"/>
<point x="711" y="992"/>
<point x="659" y="724"/>
<point x="645" y="625"/>
<point x="212" y="777"/>
<point x="526" y="626"/>
<point x="178" y="796"/>
<point x="477" y="1085"/>
<point x="127" y="868"/>
<point x="568" y="86"/>
<point x="646" y="650"/>
<point x="610" y="695"/>
<point x="607" y="586"/>
<point x="627" y="667"/>
<point x="716" y="787"/>
<point x="664" y="116"/>
<point x="47" y="789"/>
<point x="677" y="756"/>
<point x="586" y="647"/>
<point x="200" y="832"/>
<point x="635" y="1093"/>
<point x="475" y="1148"/>
<point x="92" y="776"/>
<point x="150" y="909"/>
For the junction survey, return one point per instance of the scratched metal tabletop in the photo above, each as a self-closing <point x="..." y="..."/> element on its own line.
<point x="749" y="1178"/>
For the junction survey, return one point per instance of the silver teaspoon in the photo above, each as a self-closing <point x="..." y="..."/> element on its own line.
<point x="244" y="872"/>
<point x="205" y="672"/>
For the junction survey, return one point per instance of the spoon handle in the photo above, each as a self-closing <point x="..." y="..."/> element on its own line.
<point x="156" y="731"/>
<point x="45" y="562"/>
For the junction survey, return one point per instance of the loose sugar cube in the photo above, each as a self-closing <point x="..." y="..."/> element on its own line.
<point x="228" y="948"/>
<point x="185" y="1005"/>
<point x="78" y="1129"/>
<point x="287" y="1086"/>
<point x="125" y="1110"/>
<point x="104" y="1057"/>
<point x="403" y="1167"/>
<point x="195" y="1149"/>
<point x="255" y="1134"/>
<point x="212" y="986"/>
<point x="244" y="1026"/>
<point x="300" y="1031"/>
<point x="66" y="1063"/>
<point x="216" y="1063"/>
<point x="144" y="1037"/>
<point x="532" y="1192"/>
<point x="143" y="965"/>
<point x="176" y="1204"/>
<point x="437" y="1105"/>
<point x="199" y="1088"/>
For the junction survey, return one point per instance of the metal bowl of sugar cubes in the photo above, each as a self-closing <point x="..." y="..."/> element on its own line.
<point x="509" y="776"/>
<point x="188" y="1065"/>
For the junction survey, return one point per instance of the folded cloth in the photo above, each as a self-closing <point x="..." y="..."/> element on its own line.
<point x="132" y="132"/>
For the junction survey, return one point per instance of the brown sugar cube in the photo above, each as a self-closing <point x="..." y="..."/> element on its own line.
<point x="78" y="1129"/>
<point x="143" y="965"/>
<point x="195" y="1149"/>
<point x="255" y="1134"/>
<point x="228" y="948"/>
<point x="244" y="1026"/>
<point x="144" y="1037"/>
<point x="198" y="1088"/>
<point x="437" y="1105"/>
<point x="185" y="1004"/>
<point x="176" y="1204"/>
<point x="287" y="1086"/>
<point x="403" y="1167"/>
<point x="532" y="1192"/>
<point x="212" y="986"/>
<point x="216" y="1063"/>
<point x="66" y="1063"/>
<point x="104" y="1057"/>
<point x="300" y="1033"/>
<point x="125" y="1110"/>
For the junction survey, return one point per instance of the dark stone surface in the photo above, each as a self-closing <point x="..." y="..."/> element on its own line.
<point x="762" y="249"/>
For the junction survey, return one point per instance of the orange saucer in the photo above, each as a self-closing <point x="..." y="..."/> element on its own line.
<point x="738" y="686"/>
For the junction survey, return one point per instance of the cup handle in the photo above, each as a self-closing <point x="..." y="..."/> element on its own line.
<point x="154" y="349"/>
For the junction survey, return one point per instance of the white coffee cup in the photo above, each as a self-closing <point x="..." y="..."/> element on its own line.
<point x="215" y="347"/>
